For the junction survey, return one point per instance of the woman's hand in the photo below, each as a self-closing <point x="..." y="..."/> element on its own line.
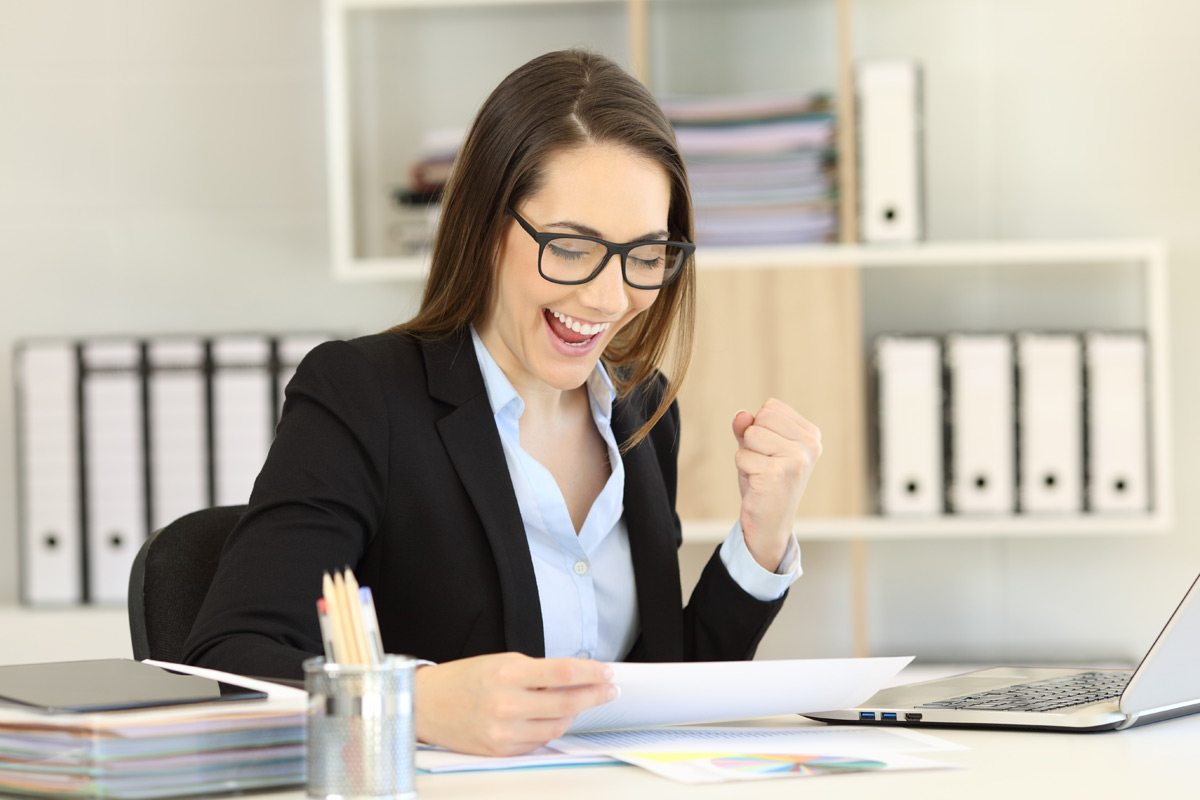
<point x="506" y="703"/>
<point x="777" y="450"/>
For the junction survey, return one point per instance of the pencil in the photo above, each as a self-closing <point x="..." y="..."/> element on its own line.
<point x="335" y="619"/>
<point x="371" y="621"/>
<point x="326" y="628"/>
<point x="346" y="614"/>
<point x="357" y="623"/>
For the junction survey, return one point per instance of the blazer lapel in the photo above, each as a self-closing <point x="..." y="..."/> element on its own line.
<point x="473" y="443"/>
<point x="651" y="525"/>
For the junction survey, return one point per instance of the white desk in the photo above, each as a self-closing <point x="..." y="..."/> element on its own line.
<point x="1154" y="761"/>
<point x="1150" y="762"/>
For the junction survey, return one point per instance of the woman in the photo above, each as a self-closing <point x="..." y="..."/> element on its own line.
<point x="508" y="497"/>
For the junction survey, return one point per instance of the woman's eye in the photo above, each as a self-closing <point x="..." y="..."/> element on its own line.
<point x="642" y="263"/>
<point x="564" y="252"/>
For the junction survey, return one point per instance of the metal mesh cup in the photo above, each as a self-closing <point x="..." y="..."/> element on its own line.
<point x="360" y="729"/>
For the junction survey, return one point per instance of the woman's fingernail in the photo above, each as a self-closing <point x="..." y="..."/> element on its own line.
<point x="613" y="692"/>
<point x="608" y="673"/>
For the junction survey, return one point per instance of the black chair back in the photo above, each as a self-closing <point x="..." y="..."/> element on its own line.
<point x="170" y="578"/>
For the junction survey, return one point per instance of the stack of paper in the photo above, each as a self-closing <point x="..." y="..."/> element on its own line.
<point x="760" y="168"/>
<point x="164" y="752"/>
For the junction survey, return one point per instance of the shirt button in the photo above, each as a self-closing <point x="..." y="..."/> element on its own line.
<point x="581" y="567"/>
<point x="584" y="654"/>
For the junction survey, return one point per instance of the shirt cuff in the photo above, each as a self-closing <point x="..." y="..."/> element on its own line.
<point x="747" y="573"/>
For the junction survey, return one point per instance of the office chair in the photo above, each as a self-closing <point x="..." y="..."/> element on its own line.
<point x="170" y="577"/>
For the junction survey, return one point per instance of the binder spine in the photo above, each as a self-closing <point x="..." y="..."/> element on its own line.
<point x="210" y="423"/>
<point x="243" y="414"/>
<point x="910" y="453"/>
<point x="85" y="582"/>
<point x="47" y="450"/>
<point x="275" y="369"/>
<point x="114" y="451"/>
<point x="178" y="431"/>
<point x="147" y="456"/>
<point x="1117" y="423"/>
<point x="891" y="164"/>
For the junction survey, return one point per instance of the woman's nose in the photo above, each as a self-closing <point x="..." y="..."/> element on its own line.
<point x="606" y="292"/>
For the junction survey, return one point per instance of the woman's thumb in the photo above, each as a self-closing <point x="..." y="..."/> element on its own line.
<point x="741" y="421"/>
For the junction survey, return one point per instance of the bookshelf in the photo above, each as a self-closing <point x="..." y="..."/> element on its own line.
<point x="985" y="284"/>
<point x="936" y="288"/>
<point x="387" y="65"/>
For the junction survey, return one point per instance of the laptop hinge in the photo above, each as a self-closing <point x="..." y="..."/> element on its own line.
<point x="1161" y="713"/>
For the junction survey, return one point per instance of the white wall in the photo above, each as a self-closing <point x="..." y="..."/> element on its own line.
<point x="161" y="170"/>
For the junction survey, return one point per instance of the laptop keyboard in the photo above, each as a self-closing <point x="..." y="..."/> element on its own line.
<point x="1047" y="695"/>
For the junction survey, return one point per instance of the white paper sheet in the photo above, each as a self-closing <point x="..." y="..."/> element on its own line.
<point x="849" y="740"/>
<point x="714" y="754"/>
<point x="274" y="691"/>
<point x="718" y="691"/>
<point x="436" y="759"/>
<point x="721" y="767"/>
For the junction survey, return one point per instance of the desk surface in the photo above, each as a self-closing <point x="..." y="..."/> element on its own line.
<point x="1151" y="761"/>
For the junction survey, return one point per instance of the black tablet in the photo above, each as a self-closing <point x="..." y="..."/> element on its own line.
<point x="108" y="685"/>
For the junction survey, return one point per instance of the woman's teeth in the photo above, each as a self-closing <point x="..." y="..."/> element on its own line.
<point x="581" y="328"/>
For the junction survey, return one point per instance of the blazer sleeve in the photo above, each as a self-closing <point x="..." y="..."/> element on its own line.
<point x="316" y="503"/>
<point x="721" y="621"/>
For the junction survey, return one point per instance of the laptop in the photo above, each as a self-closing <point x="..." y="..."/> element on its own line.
<point x="1165" y="684"/>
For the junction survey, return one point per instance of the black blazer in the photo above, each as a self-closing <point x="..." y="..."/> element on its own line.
<point x="387" y="460"/>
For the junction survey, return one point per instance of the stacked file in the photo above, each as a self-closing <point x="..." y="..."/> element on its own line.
<point x="1029" y="423"/>
<point x="206" y="749"/>
<point x="417" y="203"/>
<point x="761" y="168"/>
<point x="117" y="437"/>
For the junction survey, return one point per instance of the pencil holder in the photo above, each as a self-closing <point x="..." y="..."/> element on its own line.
<point x="360" y="729"/>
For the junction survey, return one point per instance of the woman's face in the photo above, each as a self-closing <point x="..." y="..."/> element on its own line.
<point x="601" y="190"/>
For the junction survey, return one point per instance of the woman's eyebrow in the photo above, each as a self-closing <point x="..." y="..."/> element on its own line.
<point x="588" y="231"/>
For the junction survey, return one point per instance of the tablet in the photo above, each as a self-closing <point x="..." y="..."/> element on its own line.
<point x="109" y="684"/>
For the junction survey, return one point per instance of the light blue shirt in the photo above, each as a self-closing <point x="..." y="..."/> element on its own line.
<point x="585" y="580"/>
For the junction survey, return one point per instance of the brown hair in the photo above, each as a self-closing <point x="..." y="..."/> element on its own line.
<point x="559" y="100"/>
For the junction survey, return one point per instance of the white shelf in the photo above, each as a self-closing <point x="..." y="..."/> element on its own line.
<point x="1031" y="253"/>
<point x="440" y="4"/>
<point x="878" y="528"/>
<point x="370" y="270"/>
<point x="932" y="254"/>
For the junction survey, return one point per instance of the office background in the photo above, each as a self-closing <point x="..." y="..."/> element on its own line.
<point x="162" y="169"/>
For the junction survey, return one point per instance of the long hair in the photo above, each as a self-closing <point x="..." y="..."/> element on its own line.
<point x="558" y="101"/>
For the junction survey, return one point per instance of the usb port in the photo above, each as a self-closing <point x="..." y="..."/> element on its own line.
<point x="888" y="716"/>
<point x="866" y="715"/>
<point x="912" y="716"/>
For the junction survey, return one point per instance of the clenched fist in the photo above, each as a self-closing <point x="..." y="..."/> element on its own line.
<point x="777" y="450"/>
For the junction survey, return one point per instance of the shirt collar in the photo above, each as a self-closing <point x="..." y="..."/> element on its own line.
<point x="504" y="398"/>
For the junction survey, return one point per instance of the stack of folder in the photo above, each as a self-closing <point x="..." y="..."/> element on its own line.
<point x="119" y="436"/>
<point x="173" y="751"/>
<point x="1032" y="422"/>
<point x="761" y="168"/>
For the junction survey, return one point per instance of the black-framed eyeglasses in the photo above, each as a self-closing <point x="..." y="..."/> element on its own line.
<point x="572" y="259"/>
